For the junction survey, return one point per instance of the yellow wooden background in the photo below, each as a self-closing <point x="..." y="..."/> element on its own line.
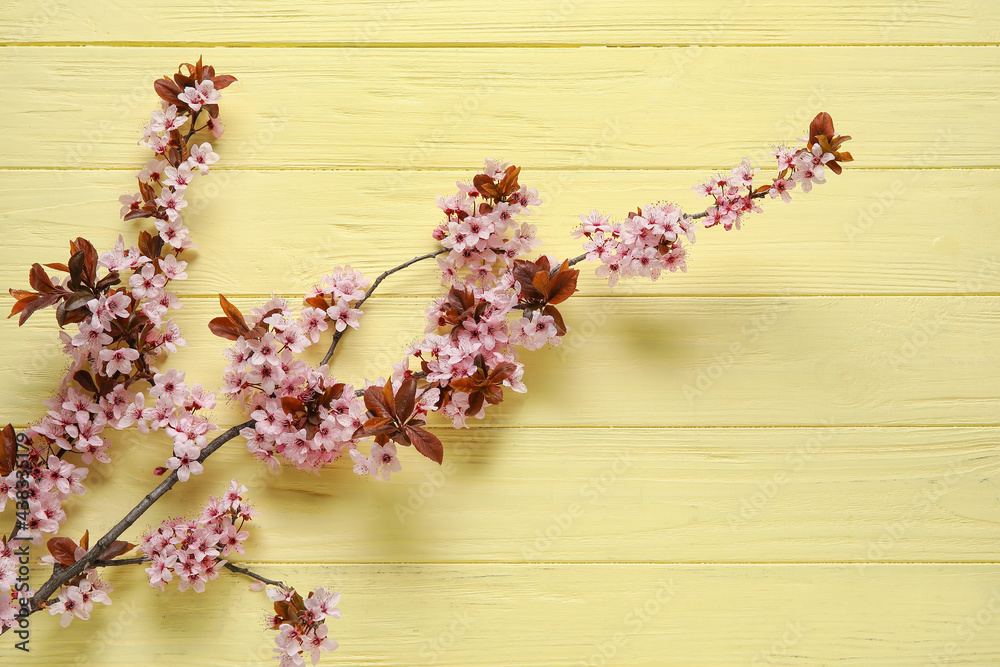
<point x="787" y="456"/>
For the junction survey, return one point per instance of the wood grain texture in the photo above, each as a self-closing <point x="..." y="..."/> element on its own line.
<point x="408" y="108"/>
<point x="787" y="456"/>
<point x="572" y="615"/>
<point x="516" y="22"/>
<point x="667" y="495"/>
<point x="871" y="232"/>
<point x="661" y="361"/>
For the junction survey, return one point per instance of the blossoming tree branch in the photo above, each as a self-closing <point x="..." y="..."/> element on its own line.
<point x="113" y="309"/>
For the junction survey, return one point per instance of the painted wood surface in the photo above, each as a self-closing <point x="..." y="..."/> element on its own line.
<point x="786" y="456"/>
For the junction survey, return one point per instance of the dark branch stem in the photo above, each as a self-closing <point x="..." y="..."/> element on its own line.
<point x="254" y="575"/>
<point x="378" y="281"/>
<point x="139" y="560"/>
<point x="91" y="558"/>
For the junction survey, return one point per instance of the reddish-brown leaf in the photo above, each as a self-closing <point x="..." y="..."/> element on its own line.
<point x="77" y="270"/>
<point x="563" y="285"/>
<point x="233" y="313"/>
<point x="426" y="443"/>
<point x="405" y="399"/>
<point x="30" y="306"/>
<point x="85" y="540"/>
<point x="554" y="313"/>
<point x="138" y="213"/>
<point x="85" y="380"/>
<point x="39" y="280"/>
<point x="117" y="548"/>
<point x="167" y="90"/>
<point x="8" y="456"/>
<point x="467" y="385"/>
<point x="223" y="81"/>
<point x="58" y="266"/>
<point x="376" y="401"/>
<point x="821" y="124"/>
<point x="63" y="550"/>
<point x="224" y="328"/>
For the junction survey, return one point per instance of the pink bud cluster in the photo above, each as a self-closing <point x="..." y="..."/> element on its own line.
<point x="77" y="601"/>
<point x="301" y="624"/>
<point x="263" y="371"/>
<point x="648" y="242"/>
<point x="482" y="239"/>
<point x="195" y="549"/>
<point x="50" y="481"/>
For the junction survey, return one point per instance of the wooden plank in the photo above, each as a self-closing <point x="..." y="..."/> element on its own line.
<point x="409" y="108"/>
<point x="567" y="615"/>
<point x="734" y="495"/>
<point x="660" y="361"/>
<point x="865" y="232"/>
<point x="450" y="22"/>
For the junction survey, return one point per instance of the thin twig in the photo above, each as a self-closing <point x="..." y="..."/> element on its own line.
<point x="254" y="575"/>
<point x="337" y="336"/>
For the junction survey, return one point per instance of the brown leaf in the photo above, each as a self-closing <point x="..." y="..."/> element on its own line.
<point x="223" y="81"/>
<point x="167" y="90"/>
<point x="821" y="124"/>
<point x="138" y="213"/>
<point x="29" y="307"/>
<point x="63" y="550"/>
<point x="405" y="399"/>
<point x="376" y="402"/>
<point x="224" y="328"/>
<point x="77" y="269"/>
<point x="554" y="313"/>
<point x="8" y="455"/>
<point x="117" y="548"/>
<point x="85" y="380"/>
<point x="426" y="443"/>
<point x="233" y="313"/>
<point x="85" y="540"/>
<point x="563" y="285"/>
<point x="39" y="280"/>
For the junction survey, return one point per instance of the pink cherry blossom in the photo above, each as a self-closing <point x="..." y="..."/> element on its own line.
<point x="202" y="156"/>
<point x="167" y="120"/>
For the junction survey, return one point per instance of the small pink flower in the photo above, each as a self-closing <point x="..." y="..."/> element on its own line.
<point x="119" y="360"/>
<point x="167" y="120"/>
<point x="184" y="460"/>
<point x="202" y="156"/>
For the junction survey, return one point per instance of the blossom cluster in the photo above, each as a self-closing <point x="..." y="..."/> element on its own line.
<point x="301" y="413"/>
<point x="650" y="240"/>
<point x="195" y="549"/>
<point x="480" y="233"/>
<point x="77" y="600"/>
<point x="301" y="623"/>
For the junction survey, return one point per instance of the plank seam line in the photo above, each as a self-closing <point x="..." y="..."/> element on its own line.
<point x="631" y="563"/>
<point x="551" y="427"/>
<point x="486" y="45"/>
<point x="447" y="168"/>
